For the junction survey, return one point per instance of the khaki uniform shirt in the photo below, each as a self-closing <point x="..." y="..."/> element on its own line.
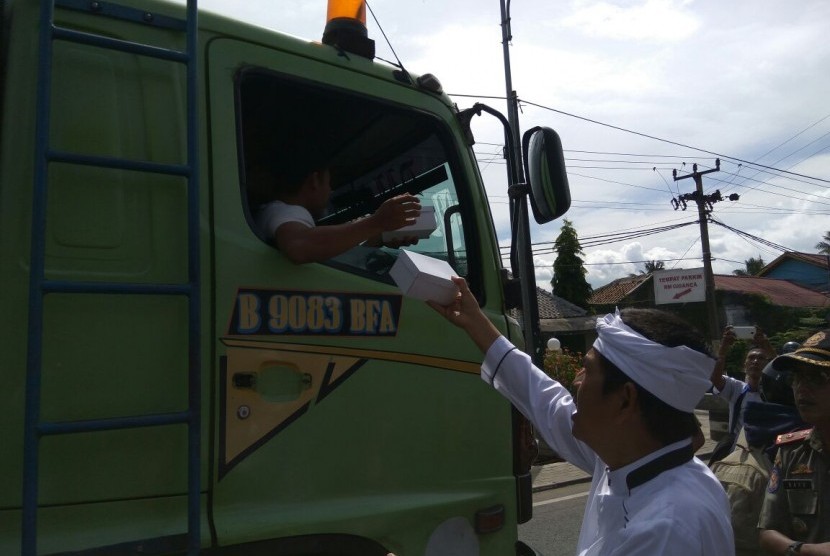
<point x="744" y="475"/>
<point x="797" y="501"/>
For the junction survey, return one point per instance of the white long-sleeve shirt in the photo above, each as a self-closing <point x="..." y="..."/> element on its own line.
<point x="732" y="389"/>
<point x="665" y="508"/>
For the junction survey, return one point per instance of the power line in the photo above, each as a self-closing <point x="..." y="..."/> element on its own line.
<point x="790" y="139"/>
<point x="814" y="124"/>
<point x="748" y="178"/>
<point x="614" y="168"/>
<point x="614" y="181"/>
<point x="668" y="186"/>
<point x="809" y="156"/>
<point x="726" y="187"/>
<point x="544" y="248"/>
<point x="676" y="143"/>
<point x="772" y="211"/>
<point x="615" y="263"/>
<point x="814" y="141"/>
<point x="756" y="165"/>
<point x="776" y="193"/>
<point x="757" y="188"/>
<point x="632" y="154"/>
<point x="687" y="251"/>
<point x="640" y="262"/>
<point x="754" y="238"/>
<point x="609" y="161"/>
<point x="618" y="233"/>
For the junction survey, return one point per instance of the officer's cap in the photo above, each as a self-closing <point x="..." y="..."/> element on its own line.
<point x="814" y="354"/>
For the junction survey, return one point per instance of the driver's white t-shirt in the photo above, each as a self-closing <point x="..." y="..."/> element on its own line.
<point x="276" y="213"/>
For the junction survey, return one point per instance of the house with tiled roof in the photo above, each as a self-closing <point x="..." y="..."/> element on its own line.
<point x="629" y="291"/>
<point x="784" y="293"/>
<point x="559" y="318"/>
<point x="740" y="300"/>
<point x="557" y="315"/>
<point x="810" y="270"/>
<point x="639" y="291"/>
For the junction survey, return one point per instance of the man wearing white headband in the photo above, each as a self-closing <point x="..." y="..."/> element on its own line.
<point x="631" y="427"/>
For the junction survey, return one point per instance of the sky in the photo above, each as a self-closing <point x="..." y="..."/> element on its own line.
<point x="635" y="89"/>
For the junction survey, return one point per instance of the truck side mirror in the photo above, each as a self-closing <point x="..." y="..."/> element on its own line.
<point x="544" y="161"/>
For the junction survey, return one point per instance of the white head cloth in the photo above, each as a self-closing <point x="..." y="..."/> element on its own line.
<point x="678" y="375"/>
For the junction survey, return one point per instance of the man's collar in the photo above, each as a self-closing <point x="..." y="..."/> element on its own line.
<point x="646" y="468"/>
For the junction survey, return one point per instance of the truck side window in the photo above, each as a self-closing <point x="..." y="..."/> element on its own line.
<point x="373" y="149"/>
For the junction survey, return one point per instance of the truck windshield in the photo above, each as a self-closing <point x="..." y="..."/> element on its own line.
<point x="374" y="150"/>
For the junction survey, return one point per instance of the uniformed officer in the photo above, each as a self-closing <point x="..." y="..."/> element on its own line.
<point x="745" y="472"/>
<point x="795" y="516"/>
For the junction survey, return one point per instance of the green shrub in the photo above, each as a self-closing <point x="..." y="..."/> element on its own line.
<point x="563" y="366"/>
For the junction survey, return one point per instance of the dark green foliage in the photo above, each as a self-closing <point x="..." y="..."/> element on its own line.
<point x="568" y="273"/>
<point x="824" y="245"/>
<point x="753" y="267"/>
<point x="780" y="324"/>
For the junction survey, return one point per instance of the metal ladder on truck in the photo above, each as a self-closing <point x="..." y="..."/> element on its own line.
<point x="40" y="286"/>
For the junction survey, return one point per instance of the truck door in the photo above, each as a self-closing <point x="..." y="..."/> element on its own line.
<point x="341" y="406"/>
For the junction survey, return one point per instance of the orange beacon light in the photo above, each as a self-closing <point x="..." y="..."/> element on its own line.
<point x="346" y="27"/>
<point x="349" y="9"/>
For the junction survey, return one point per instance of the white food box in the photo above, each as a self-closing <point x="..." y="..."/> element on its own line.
<point x="421" y="228"/>
<point x="424" y="278"/>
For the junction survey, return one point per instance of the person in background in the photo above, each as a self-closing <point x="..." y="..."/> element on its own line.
<point x="795" y="515"/>
<point x="289" y="221"/>
<point x="790" y="347"/>
<point x="630" y="426"/>
<point x="736" y="392"/>
<point x="745" y="472"/>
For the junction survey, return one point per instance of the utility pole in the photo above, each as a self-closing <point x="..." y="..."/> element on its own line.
<point x="521" y="262"/>
<point x="512" y="98"/>
<point x="704" y="208"/>
<point x="521" y="256"/>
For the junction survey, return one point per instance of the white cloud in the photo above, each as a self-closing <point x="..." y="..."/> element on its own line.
<point x="544" y="271"/>
<point x="651" y="20"/>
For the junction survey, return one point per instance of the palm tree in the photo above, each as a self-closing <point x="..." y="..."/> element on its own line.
<point x="824" y="246"/>
<point x="753" y="267"/>
<point x="649" y="267"/>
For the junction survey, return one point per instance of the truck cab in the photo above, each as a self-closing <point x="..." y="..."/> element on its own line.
<point x="173" y="383"/>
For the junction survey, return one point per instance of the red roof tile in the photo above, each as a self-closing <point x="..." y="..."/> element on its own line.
<point x="553" y="307"/>
<point x="778" y="292"/>
<point x="617" y="290"/>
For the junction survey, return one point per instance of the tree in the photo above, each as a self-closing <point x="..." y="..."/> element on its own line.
<point x="569" y="281"/>
<point x="649" y="267"/>
<point x="753" y="267"/>
<point x="824" y="246"/>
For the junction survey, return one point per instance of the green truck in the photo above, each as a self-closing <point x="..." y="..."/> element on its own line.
<point x="171" y="383"/>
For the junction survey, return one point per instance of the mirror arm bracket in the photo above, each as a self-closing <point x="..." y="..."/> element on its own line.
<point x="518" y="190"/>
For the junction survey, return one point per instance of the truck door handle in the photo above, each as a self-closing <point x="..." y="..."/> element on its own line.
<point x="275" y="384"/>
<point x="244" y="380"/>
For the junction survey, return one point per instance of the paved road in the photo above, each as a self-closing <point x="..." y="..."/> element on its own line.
<point x="557" y="516"/>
